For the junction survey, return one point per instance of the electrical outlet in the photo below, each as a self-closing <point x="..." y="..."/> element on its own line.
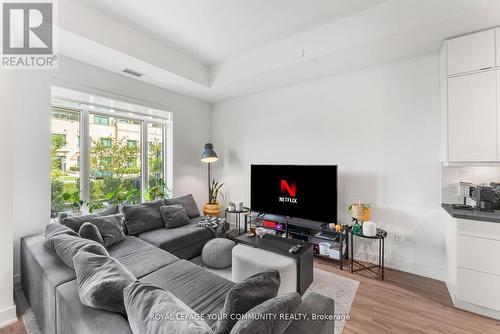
<point x="397" y="239"/>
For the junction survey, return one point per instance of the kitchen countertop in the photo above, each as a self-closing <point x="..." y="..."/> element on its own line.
<point x="493" y="217"/>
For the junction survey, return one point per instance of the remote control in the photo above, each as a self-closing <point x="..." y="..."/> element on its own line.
<point x="295" y="249"/>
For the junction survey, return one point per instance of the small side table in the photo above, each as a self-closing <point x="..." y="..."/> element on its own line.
<point x="380" y="236"/>
<point x="238" y="214"/>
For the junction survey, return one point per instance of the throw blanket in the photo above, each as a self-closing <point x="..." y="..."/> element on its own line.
<point x="217" y="226"/>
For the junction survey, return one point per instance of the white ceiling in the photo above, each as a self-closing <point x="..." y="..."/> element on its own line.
<point x="213" y="30"/>
<point x="216" y="50"/>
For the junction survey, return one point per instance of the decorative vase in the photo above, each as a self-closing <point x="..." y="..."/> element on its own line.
<point x="361" y="212"/>
<point x="369" y="229"/>
<point x="212" y="209"/>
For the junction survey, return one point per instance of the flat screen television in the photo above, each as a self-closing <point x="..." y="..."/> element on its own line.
<point x="299" y="191"/>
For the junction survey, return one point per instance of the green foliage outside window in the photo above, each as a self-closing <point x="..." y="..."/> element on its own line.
<point x="115" y="174"/>
<point x="58" y="142"/>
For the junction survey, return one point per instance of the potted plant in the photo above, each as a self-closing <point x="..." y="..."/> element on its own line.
<point x="212" y="207"/>
<point x="74" y="200"/>
<point x="360" y="211"/>
<point x="158" y="190"/>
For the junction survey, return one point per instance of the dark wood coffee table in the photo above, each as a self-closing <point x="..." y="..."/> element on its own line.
<point x="279" y="245"/>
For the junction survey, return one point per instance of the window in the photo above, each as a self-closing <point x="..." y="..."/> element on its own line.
<point x="64" y="153"/>
<point x="106" y="142"/>
<point x="119" y="156"/>
<point x="103" y="120"/>
<point x="64" y="114"/>
<point x="115" y="164"/>
<point x="156" y="162"/>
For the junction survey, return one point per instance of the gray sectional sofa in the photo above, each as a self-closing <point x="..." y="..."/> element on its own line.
<point x="156" y="257"/>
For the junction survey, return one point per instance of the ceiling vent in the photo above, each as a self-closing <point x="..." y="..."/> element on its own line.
<point x="132" y="72"/>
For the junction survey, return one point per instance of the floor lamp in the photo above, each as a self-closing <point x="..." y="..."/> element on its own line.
<point x="208" y="156"/>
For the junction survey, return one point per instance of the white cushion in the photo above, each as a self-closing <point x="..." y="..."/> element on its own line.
<point x="248" y="261"/>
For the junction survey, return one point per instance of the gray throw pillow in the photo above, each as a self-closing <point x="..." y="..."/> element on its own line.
<point x="146" y="306"/>
<point x="284" y="304"/>
<point x="91" y="232"/>
<point x="101" y="281"/>
<point x="174" y="216"/>
<point x="66" y="246"/>
<point x="74" y="222"/>
<point x="55" y="229"/>
<point x="187" y="202"/>
<point x="110" y="228"/>
<point x="245" y="295"/>
<point x="143" y="217"/>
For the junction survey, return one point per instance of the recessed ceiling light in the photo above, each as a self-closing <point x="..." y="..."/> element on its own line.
<point x="132" y="72"/>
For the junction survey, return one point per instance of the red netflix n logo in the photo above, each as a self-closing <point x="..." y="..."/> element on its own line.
<point x="291" y="189"/>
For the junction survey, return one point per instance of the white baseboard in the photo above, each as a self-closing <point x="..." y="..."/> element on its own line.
<point x="8" y="316"/>
<point x="487" y="312"/>
<point x="406" y="266"/>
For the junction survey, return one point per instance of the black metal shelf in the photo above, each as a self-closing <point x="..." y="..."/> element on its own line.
<point x="302" y="228"/>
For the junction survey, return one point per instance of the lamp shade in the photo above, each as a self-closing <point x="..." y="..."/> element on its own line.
<point x="209" y="154"/>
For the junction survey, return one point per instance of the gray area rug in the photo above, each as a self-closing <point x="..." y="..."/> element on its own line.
<point x="341" y="289"/>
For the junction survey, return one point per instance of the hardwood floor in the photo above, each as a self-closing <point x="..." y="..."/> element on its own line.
<point x="406" y="303"/>
<point x="402" y="303"/>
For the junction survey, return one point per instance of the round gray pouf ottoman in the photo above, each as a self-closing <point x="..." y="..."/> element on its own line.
<point x="216" y="253"/>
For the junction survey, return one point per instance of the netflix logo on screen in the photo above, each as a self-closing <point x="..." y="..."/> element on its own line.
<point x="288" y="189"/>
<point x="298" y="191"/>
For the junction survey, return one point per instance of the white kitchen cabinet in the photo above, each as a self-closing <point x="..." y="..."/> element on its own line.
<point x="472" y="52"/>
<point x="498" y="114"/>
<point x="472" y="117"/>
<point x="498" y="46"/>
<point x="478" y="288"/>
<point x="479" y="254"/>
<point x="472" y="252"/>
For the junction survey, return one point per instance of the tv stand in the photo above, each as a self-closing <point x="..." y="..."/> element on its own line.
<point x="307" y="230"/>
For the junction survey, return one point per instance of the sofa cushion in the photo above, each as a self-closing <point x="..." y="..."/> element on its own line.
<point x="66" y="246"/>
<point x="174" y="216"/>
<point x="199" y="289"/>
<point x="53" y="230"/>
<point x="143" y="217"/>
<point x="190" y="251"/>
<point x="101" y="281"/>
<point x="76" y="318"/>
<point x="140" y="257"/>
<point x="74" y="222"/>
<point x="284" y="304"/>
<point x="187" y="202"/>
<point x="147" y="305"/>
<point x="245" y="295"/>
<point x="110" y="227"/>
<point x="91" y="232"/>
<point x="313" y="304"/>
<point x="174" y="239"/>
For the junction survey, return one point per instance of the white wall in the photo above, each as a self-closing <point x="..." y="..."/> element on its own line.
<point x="380" y="125"/>
<point x="31" y="194"/>
<point x="7" y="308"/>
